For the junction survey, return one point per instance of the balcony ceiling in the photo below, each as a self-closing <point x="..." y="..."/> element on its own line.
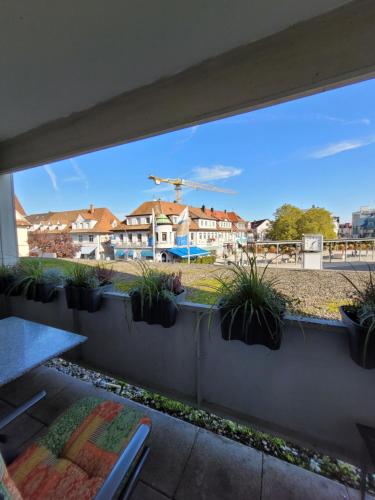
<point x="57" y="58"/>
<point x="78" y="76"/>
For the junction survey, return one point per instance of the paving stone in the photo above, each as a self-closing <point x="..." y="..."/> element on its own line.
<point x="18" y="391"/>
<point x="171" y="442"/>
<point x="219" y="468"/>
<point x="17" y="433"/>
<point x="288" y="482"/>
<point x="53" y="405"/>
<point x="144" y="492"/>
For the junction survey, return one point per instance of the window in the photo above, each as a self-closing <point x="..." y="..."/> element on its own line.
<point x="157" y="237"/>
<point x="148" y="220"/>
<point x="163" y="236"/>
<point x="130" y="237"/>
<point x="121" y="237"/>
<point x="80" y="237"/>
<point x="139" y="238"/>
<point x="91" y="238"/>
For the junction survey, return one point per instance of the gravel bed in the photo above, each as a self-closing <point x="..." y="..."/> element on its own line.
<point x="287" y="451"/>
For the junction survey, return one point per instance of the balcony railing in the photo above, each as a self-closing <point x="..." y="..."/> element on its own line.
<point x="309" y="391"/>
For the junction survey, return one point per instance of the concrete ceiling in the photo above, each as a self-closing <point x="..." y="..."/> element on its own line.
<point x="60" y="57"/>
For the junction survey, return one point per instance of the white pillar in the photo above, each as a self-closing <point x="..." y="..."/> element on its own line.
<point x="8" y="228"/>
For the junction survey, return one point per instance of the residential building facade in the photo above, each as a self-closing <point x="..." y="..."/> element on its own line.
<point x="260" y="229"/>
<point x="211" y="230"/>
<point x="90" y="229"/>
<point x="23" y="225"/>
<point x="363" y="222"/>
<point x="345" y="230"/>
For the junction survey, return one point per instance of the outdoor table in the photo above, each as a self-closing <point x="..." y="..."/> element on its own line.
<point x="24" y="345"/>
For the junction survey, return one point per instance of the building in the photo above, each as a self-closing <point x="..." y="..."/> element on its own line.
<point x="345" y="230"/>
<point x="210" y="230"/>
<point x="23" y="225"/>
<point x="336" y="224"/>
<point x="260" y="229"/>
<point x="363" y="222"/>
<point x="90" y="229"/>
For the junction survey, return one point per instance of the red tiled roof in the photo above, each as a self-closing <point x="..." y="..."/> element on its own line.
<point x="103" y="216"/>
<point x="18" y="206"/>
<point x="21" y="220"/>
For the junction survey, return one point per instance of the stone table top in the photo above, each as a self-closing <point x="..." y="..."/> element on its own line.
<point x="25" y="345"/>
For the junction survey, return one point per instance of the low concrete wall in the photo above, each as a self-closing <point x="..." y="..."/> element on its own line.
<point x="310" y="391"/>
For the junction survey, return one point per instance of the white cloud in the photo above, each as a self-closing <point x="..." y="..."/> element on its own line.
<point x="52" y="176"/>
<point x="340" y="147"/>
<point x="79" y="176"/>
<point x="191" y="133"/>
<point x="344" y="121"/>
<point x="216" y="172"/>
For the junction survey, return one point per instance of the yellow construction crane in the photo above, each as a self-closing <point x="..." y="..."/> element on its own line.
<point x="178" y="183"/>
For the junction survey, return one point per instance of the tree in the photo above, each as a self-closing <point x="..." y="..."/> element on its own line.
<point x="284" y="226"/>
<point x="317" y="220"/>
<point x="60" y="244"/>
<point x="292" y="222"/>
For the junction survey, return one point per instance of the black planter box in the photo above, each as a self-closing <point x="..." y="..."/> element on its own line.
<point x="357" y="337"/>
<point x="84" y="299"/>
<point x="5" y="282"/>
<point x="44" y="292"/>
<point x="40" y="292"/>
<point x="159" y="312"/>
<point x="253" y="332"/>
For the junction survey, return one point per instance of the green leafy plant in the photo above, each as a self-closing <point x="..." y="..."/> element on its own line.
<point x="28" y="274"/>
<point x="89" y="276"/>
<point x="6" y="271"/>
<point x="244" y="294"/>
<point x="363" y="307"/>
<point x="152" y="285"/>
<point x="82" y="276"/>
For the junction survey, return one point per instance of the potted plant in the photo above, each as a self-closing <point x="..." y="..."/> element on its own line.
<point x="7" y="276"/>
<point x="154" y="297"/>
<point x="85" y="285"/>
<point x="359" y="318"/>
<point x="250" y="307"/>
<point x="35" y="282"/>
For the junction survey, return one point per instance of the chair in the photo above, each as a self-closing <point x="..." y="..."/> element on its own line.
<point x="94" y="450"/>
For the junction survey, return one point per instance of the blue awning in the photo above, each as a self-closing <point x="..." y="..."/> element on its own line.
<point x="147" y="253"/>
<point x="120" y="253"/>
<point x="183" y="252"/>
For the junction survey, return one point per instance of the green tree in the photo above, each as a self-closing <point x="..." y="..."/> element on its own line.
<point x="316" y="220"/>
<point x="284" y="226"/>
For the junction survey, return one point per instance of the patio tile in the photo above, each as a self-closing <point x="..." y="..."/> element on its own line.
<point x="171" y="442"/>
<point x="54" y="404"/>
<point x="25" y="387"/>
<point x="18" y="432"/>
<point x="288" y="482"/>
<point x="356" y="495"/>
<point x="144" y="492"/>
<point x="219" y="468"/>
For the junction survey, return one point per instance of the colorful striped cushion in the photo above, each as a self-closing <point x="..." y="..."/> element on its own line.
<point x="78" y="452"/>
<point x="8" y="490"/>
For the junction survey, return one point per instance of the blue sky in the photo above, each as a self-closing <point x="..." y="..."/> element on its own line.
<point x="316" y="150"/>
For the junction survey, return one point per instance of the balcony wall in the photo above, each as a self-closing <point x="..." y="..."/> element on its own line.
<point x="309" y="391"/>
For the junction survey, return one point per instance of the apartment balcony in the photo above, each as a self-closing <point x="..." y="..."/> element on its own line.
<point x="309" y="392"/>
